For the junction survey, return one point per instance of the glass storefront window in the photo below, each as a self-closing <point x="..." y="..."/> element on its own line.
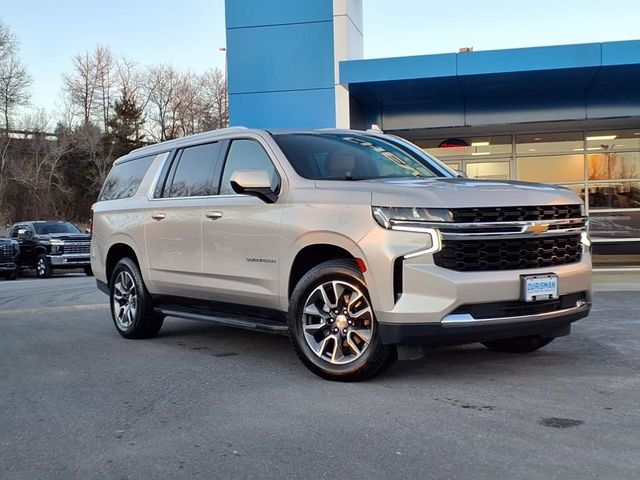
<point x="549" y="143"/>
<point x="611" y="225"/>
<point x="609" y="166"/>
<point x="488" y="170"/>
<point x="487" y="146"/>
<point x="551" y="169"/>
<point x="608" y="140"/>
<point x="614" y="195"/>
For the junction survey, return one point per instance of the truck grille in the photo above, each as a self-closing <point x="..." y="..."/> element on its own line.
<point x="509" y="253"/>
<point x="515" y="214"/>
<point x="77" y="247"/>
<point x="6" y="252"/>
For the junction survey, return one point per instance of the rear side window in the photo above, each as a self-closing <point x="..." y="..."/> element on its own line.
<point x="246" y="155"/>
<point x="124" y="179"/>
<point x="191" y="175"/>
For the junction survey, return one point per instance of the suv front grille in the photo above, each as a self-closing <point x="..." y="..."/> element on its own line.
<point x="76" y="247"/>
<point x="516" y="214"/>
<point x="508" y="253"/>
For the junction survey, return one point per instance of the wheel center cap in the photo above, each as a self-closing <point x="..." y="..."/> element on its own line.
<point x="341" y="322"/>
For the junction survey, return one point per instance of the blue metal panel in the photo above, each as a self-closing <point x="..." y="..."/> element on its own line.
<point x="286" y="57"/>
<point x="384" y="69"/>
<point x="497" y="87"/>
<point x="280" y="63"/>
<point x="253" y="13"/>
<point x="290" y="109"/>
<point x="621" y="53"/>
<point x="529" y="59"/>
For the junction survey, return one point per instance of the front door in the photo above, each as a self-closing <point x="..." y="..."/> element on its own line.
<point x="241" y="233"/>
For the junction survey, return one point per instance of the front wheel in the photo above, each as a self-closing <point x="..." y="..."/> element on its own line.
<point x="332" y="325"/>
<point x="526" y="344"/>
<point x="11" y="275"/>
<point x="131" y="306"/>
<point x="43" y="266"/>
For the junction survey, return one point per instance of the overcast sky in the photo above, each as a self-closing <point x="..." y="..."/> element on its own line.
<point x="189" y="33"/>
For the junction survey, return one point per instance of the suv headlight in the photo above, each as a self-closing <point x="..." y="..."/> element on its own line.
<point x="56" y="246"/>
<point x="408" y="220"/>
<point x="388" y="216"/>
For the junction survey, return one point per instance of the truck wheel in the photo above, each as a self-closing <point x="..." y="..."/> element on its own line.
<point x="131" y="306"/>
<point x="332" y="326"/>
<point x="43" y="267"/>
<point x="88" y="271"/>
<point x="519" y="344"/>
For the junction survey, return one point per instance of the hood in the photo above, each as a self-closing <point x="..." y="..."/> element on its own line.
<point x="455" y="192"/>
<point x="69" y="237"/>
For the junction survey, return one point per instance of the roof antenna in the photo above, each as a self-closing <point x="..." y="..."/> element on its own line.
<point x="375" y="128"/>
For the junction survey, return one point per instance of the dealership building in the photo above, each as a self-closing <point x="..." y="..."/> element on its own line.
<point x="567" y="115"/>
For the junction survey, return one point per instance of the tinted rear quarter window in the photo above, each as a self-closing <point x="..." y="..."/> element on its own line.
<point x="125" y="178"/>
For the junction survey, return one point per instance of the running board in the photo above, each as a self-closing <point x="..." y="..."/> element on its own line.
<point x="245" y="322"/>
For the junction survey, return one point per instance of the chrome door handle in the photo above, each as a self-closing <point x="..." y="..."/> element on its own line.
<point x="158" y="216"/>
<point x="213" y="215"/>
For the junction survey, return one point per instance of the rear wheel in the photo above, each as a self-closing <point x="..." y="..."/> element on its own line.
<point x="131" y="306"/>
<point x="519" y="344"/>
<point x="43" y="266"/>
<point x="332" y="325"/>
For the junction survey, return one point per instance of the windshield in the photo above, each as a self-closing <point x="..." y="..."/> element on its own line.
<point x="345" y="156"/>
<point x="47" y="228"/>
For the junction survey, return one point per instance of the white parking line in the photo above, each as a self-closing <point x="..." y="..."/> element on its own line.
<point x="67" y="308"/>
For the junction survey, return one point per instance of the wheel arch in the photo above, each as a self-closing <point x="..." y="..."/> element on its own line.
<point x="116" y="252"/>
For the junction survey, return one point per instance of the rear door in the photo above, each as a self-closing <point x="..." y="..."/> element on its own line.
<point x="173" y="229"/>
<point x="241" y="233"/>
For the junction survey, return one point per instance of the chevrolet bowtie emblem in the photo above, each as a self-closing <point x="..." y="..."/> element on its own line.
<point x="537" y="228"/>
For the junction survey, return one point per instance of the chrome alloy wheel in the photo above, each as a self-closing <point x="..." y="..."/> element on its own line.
<point x="125" y="300"/>
<point x="41" y="267"/>
<point x="337" y="322"/>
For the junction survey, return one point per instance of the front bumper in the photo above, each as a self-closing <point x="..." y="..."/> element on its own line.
<point x="8" y="266"/>
<point x="458" y="329"/>
<point x="70" y="260"/>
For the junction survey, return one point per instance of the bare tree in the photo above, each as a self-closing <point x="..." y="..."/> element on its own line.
<point x="14" y="78"/>
<point x="213" y="88"/>
<point x="105" y="82"/>
<point x="81" y="85"/>
<point x="162" y="84"/>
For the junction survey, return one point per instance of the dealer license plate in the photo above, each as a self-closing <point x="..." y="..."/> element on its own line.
<point x="540" y="287"/>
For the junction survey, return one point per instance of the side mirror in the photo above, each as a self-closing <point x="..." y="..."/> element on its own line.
<point x="87" y="231"/>
<point x="23" y="233"/>
<point x="460" y="174"/>
<point x="254" y="182"/>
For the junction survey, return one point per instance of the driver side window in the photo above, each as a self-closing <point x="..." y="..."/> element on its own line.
<point x="246" y="154"/>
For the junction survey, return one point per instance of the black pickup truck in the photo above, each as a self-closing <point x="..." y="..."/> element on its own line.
<point x="49" y="245"/>
<point x="9" y="251"/>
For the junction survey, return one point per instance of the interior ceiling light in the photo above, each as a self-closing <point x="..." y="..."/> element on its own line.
<point x="481" y="153"/>
<point x="479" y="144"/>
<point x="602" y="137"/>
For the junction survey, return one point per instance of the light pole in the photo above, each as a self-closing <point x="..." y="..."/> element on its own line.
<point x="226" y="87"/>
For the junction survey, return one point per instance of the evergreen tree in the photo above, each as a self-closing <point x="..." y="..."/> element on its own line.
<point x="125" y="127"/>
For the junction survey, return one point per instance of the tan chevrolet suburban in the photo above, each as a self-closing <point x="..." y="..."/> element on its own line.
<point x="359" y="245"/>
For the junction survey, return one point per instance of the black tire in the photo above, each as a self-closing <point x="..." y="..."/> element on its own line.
<point x="375" y="357"/>
<point x="11" y="275"/>
<point x="88" y="271"/>
<point x="519" y="344"/>
<point x="43" y="266"/>
<point x="144" y="322"/>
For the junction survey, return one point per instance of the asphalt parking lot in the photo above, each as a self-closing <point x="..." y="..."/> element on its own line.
<point x="78" y="401"/>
